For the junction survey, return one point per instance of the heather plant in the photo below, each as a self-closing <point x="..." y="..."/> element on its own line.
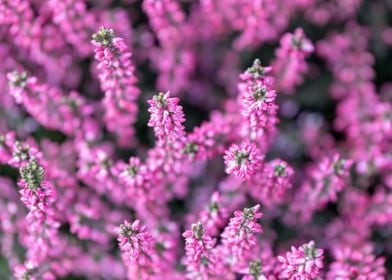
<point x="205" y="139"/>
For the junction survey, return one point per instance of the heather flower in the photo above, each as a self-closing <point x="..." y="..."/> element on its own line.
<point x="270" y="186"/>
<point x="166" y="118"/>
<point x="304" y="262"/>
<point x="257" y="95"/>
<point x="214" y="217"/>
<point x="239" y="240"/>
<point x="257" y="101"/>
<point x="38" y="195"/>
<point x="143" y="255"/>
<point x="255" y="271"/>
<point x="356" y="263"/>
<point x="75" y="21"/>
<point x="200" y="259"/>
<point x="290" y="64"/>
<point x="135" y="241"/>
<point x="52" y="108"/>
<point x="330" y="176"/>
<point x="32" y="174"/>
<point x="208" y="139"/>
<point x="243" y="160"/>
<point x="132" y="174"/>
<point x="73" y="126"/>
<point x="118" y="82"/>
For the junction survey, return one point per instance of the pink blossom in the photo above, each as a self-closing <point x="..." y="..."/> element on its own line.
<point x="290" y="65"/>
<point x="257" y="95"/>
<point x="214" y="217"/>
<point x="118" y="81"/>
<point x="38" y="195"/>
<point x="305" y="134"/>
<point x="239" y="241"/>
<point x="270" y="186"/>
<point x="357" y="263"/>
<point x="70" y="114"/>
<point x="200" y="259"/>
<point x="302" y="263"/>
<point x="166" y="118"/>
<point x="135" y="241"/>
<point x="243" y="160"/>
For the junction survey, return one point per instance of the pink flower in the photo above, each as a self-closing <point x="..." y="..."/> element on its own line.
<point x="71" y="114"/>
<point x="243" y="160"/>
<point x="289" y="65"/>
<point x="270" y="186"/>
<point x="257" y="95"/>
<point x="356" y="263"/>
<point x="302" y="263"/>
<point x="239" y="241"/>
<point x="135" y="241"/>
<point x="257" y="102"/>
<point x="133" y="173"/>
<point x="200" y="259"/>
<point x="118" y="81"/>
<point x="214" y="217"/>
<point x="330" y="176"/>
<point x="166" y="118"/>
<point x="38" y="195"/>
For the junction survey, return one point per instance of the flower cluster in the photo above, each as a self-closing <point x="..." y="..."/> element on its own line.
<point x="257" y="99"/>
<point x="239" y="242"/>
<point x="357" y="263"/>
<point x="270" y="186"/>
<point x="118" y="81"/>
<point x="166" y="118"/>
<point x="302" y="263"/>
<point x="201" y="261"/>
<point x="38" y="195"/>
<point x="243" y="160"/>
<point x="195" y="140"/>
<point x="290" y="60"/>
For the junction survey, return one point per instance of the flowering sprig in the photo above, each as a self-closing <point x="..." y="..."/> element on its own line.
<point x="207" y="140"/>
<point x="257" y="94"/>
<point x="257" y="100"/>
<point x="290" y="66"/>
<point x="143" y="254"/>
<point x="239" y="241"/>
<point x="200" y="259"/>
<point x="331" y="176"/>
<point x="243" y="160"/>
<point x="214" y="217"/>
<point x="302" y="263"/>
<point x="118" y="81"/>
<point x="135" y="241"/>
<point x="166" y="118"/>
<point x="356" y="263"/>
<point x="270" y="186"/>
<point x="70" y="114"/>
<point x="38" y="195"/>
<point x="327" y="178"/>
<point x="75" y="22"/>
